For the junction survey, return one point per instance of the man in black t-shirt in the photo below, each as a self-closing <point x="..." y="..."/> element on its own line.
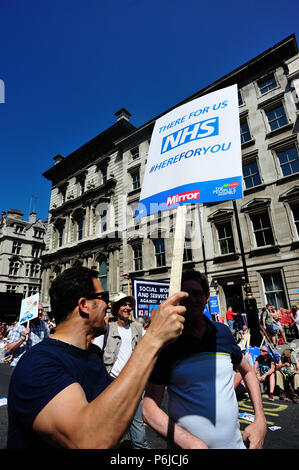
<point x="60" y="393"/>
<point x="265" y="370"/>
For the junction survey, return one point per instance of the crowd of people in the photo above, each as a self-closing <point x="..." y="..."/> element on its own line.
<point x="85" y="378"/>
<point x="275" y="372"/>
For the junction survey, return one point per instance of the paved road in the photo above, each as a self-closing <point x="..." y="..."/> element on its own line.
<point x="278" y="413"/>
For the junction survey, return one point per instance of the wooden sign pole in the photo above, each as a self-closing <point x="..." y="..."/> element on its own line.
<point x="178" y="250"/>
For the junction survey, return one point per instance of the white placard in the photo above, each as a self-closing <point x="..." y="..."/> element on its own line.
<point x="29" y="308"/>
<point x="194" y="155"/>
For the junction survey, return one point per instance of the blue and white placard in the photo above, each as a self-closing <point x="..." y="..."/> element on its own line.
<point x="29" y="308"/>
<point x="194" y="154"/>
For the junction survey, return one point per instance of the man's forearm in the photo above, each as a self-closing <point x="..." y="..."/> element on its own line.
<point x="164" y="425"/>
<point x="253" y="387"/>
<point x="114" y="408"/>
<point x="11" y="347"/>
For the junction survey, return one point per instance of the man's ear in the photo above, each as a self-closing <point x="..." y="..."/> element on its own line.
<point x="83" y="307"/>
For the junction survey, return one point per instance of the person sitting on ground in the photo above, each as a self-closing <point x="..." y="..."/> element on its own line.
<point x="287" y="375"/>
<point x="265" y="370"/>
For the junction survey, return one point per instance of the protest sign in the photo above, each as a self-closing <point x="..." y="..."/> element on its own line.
<point x="29" y="308"/>
<point x="214" y="305"/>
<point x="194" y="154"/>
<point x="148" y="295"/>
<point x="194" y="157"/>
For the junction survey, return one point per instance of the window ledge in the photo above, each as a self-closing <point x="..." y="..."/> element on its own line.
<point x="134" y="191"/>
<point x="137" y="273"/>
<point x="280" y="130"/>
<point x="248" y="143"/>
<point x="226" y="258"/>
<point x="262" y="251"/>
<point x="258" y="187"/>
<point x="286" y="179"/>
<point x="295" y="245"/>
<point x="161" y="269"/>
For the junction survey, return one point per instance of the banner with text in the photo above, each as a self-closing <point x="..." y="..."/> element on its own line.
<point x="148" y="295"/>
<point x="194" y="154"/>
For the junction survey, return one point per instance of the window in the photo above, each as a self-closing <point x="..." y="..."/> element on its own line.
<point x="160" y="252"/>
<point x="103" y="273"/>
<point x="225" y="238"/>
<point x="60" y="236"/>
<point x="27" y="270"/>
<point x="267" y="84"/>
<point x="80" y="229"/>
<point x="262" y="229"/>
<point x="136" y="180"/>
<point x="251" y="175"/>
<point x="81" y="187"/>
<point x="104" y="220"/>
<point x="38" y="233"/>
<point x="187" y="253"/>
<point x="274" y="290"/>
<point x="14" y="267"/>
<point x="245" y="133"/>
<point x="16" y="248"/>
<point x="34" y="270"/>
<point x="32" y="290"/>
<point x="276" y="117"/>
<point x="289" y="161"/>
<point x="25" y="290"/>
<point x="295" y="212"/>
<point x="20" y="229"/>
<point x="11" y="288"/>
<point x="104" y="175"/>
<point x="135" y="153"/>
<point x="137" y="252"/>
<point x="240" y="98"/>
<point x="35" y="252"/>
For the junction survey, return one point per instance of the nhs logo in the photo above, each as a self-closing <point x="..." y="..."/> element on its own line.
<point x="198" y="130"/>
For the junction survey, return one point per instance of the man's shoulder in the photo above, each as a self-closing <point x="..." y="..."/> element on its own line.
<point x="137" y="325"/>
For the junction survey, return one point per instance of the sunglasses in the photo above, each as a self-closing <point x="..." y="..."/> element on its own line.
<point x="264" y="350"/>
<point x="100" y="295"/>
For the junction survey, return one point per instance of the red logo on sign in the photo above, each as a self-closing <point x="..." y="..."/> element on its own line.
<point x="233" y="185"/>
<point x="187" y="196"/>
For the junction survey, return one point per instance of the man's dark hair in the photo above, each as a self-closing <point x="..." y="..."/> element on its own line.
<point x="197" y="276"/>
<point x="67" y="288"/>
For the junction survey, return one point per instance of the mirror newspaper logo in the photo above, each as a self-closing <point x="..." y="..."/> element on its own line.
<point x="187" y="196"/>
<point x="196" y="131"/>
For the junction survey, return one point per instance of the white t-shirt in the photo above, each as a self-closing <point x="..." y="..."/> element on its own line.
<point x="125" y="350"/>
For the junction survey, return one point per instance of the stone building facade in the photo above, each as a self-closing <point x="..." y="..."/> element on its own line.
<point x="21" y="248"/>
<point x="96" y="189"/>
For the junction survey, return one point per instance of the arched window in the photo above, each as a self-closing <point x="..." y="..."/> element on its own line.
<point x="103" y="273"/>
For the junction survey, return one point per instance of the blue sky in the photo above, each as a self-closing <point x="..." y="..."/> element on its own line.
<point x="69" y="65"/>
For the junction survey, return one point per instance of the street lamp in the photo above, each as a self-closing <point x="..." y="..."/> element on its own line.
<point x="249" y="301"/>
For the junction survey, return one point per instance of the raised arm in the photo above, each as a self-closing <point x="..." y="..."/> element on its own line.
<point x="68" y="420"/>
